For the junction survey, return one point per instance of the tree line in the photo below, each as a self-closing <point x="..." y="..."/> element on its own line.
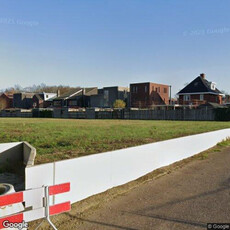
<point x="38" y="89"/>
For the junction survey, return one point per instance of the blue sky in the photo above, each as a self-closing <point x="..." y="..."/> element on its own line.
<point x="114" y="42"/>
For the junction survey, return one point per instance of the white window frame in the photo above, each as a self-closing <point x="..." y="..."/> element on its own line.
<point x="187" y="97"/>
<point x="213" y="86"/>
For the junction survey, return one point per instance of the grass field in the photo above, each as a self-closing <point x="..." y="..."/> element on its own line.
<point x="57" y="139"/>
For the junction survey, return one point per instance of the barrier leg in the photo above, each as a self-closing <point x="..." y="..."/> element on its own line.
<point x="47" y="209"/>
<point x="39" y="225"/>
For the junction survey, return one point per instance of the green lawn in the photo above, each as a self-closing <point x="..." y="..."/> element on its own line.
<point x="57" y="139"/>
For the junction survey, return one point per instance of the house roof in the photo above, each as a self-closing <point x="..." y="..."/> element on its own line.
<point x="79" y="93"/>
<point x="69" y="94"/>
<point x="10" y="96"/>
<point x="76" y="92"/>
<point x="39" y="96"/>
<point x="25" y="93"/>
<point x="199" y="85"/>
<point x="213" y="105"/>
<point x="85" y="91"/>
<point x="89" y="91"/>
<point x="148" y="83"/>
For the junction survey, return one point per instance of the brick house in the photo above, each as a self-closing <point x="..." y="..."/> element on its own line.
<point x="6" y="101"/>
<point x="227" y="100"/>
<point x="146" y="95"/>
<point x="200" y="91"/>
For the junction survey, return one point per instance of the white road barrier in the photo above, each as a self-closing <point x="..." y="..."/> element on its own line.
<point x="37" y="200"/>
<point x="93" y="174"/>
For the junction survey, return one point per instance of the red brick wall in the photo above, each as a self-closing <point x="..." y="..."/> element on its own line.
<point x="195" y="99"/>
<point x="162" y="91"/>
<point x="213" y="98"/>
<point x="5" y="102"/>
<point x="146" y="95"/>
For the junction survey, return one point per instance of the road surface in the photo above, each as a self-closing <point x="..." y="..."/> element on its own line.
<point x="187" y="198"/>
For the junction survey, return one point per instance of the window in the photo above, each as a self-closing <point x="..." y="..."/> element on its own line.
<point x="158" y="89"/>
<point x="146" y="89"/>
<point x="106" y="97"/>
<point x="134" y="89"/>
<point x="213" y="86"/>
<point x="165" y="90"/>
<point x="187" y="98"/>
<point x="201" y="97"/>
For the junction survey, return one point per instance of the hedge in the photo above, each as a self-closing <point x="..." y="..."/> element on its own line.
<point x="222" y="114"/>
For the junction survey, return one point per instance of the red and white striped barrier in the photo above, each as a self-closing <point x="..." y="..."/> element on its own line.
<point x="38" y="200"/>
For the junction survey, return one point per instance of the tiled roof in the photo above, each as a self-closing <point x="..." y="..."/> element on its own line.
<point x="199" y="85"/>
<point x="68" y="94"/>
<point x="10" y="96"/>
<point x="88" y="90"/>
<point x="76" y="92"/>
<point x="40" y="97"/>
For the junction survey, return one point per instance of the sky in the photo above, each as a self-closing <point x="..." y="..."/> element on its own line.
<point x="114" y="42"/>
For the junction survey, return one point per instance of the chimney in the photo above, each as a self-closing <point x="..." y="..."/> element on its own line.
<point x="202" y="75"/>
<point x="58" y="93"/>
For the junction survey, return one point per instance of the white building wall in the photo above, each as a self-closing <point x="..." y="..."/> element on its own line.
<point x="48" y="96"/>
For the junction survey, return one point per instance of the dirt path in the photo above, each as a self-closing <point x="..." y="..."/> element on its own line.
<point x="186" y="198"/>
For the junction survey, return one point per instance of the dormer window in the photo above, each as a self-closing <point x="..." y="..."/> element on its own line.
<point x="213" y="86"/>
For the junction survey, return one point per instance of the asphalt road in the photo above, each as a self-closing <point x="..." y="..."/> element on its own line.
<point x="187" y="198"/>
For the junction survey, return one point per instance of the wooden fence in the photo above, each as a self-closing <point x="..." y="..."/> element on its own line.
<point x="204" y="114"/>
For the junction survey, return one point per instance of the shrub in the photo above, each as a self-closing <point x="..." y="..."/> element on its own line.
<point x="119" y="104"/>
<point x="222" y="114"/>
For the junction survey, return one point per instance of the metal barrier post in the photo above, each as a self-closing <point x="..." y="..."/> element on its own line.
<point x="47" y="209"/>
<point x="37" y="204"/>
